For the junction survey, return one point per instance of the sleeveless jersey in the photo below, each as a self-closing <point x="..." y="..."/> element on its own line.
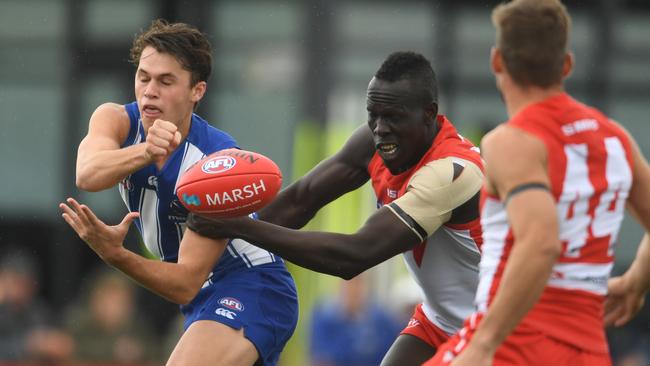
<point x="445" y="264"/>
<point x="152" y="192"/>
<point x="589" y="166"/>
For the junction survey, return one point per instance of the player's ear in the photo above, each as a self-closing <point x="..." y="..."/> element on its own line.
<point x="431" y="111"/>
<point x="567" y="68"/>
<point x="496" y="60"/>
<point x="198" y="91"/>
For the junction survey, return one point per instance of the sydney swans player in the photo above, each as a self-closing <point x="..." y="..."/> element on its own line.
<point x="426" y="178"/>
<point x="239" y="301"/>
<point x="559" y="175"/>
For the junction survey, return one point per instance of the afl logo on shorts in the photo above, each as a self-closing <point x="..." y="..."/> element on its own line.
<point x="231" y="303"/>
<point x="219" y="164"/>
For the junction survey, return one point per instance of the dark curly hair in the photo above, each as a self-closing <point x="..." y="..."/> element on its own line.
<point x="413" y="66"/>
<point x="187" y="44"/>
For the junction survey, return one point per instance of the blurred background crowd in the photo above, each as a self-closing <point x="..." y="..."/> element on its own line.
<point x="289" y="81"/>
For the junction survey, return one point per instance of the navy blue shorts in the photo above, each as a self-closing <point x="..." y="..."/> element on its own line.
<point x="261" y="300"/>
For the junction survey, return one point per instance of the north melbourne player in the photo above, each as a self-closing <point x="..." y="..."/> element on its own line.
<point x="239" y="301"/>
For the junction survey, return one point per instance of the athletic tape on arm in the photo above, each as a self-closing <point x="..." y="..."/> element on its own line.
<point x="523" y="187"/>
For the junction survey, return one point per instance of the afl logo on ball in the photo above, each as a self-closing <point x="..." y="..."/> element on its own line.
<point x="219" y="164"/>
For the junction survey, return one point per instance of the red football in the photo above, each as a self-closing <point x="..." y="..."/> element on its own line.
<point x="229" y="183"/>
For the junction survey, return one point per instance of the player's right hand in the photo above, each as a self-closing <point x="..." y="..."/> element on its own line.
<point x="162" y="138"/>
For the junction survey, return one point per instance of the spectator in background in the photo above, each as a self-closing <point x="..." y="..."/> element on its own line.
<point x="106" y="327"/>
<point x="351" y="330"/>
<point x="26" y="329"/>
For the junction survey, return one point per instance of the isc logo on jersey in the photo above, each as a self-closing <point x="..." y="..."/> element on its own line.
<point x="232" y="303"/>
<point x="218" y="165"/>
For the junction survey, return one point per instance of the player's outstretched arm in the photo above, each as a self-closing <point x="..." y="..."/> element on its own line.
<point x="626" y="294"/>
<point x="513" y="159"/>
<point x="343" y="172"/>
<point x="433" y="193"/>
<point x="383" y="236"/>
<point x="177" y="282"/>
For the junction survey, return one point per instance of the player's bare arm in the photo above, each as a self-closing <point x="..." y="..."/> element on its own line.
<point x="342" y="173"/>
<point x="383" y="236"/>
<point x="434" y="192"/>
<point x="626" y="294"/>
<point x="515" y="159"/>
<point x="177" y="282"/>
<point x="101" y="163"/>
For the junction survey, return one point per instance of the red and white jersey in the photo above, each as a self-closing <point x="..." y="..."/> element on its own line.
<point x="445" y="264"/>
<point x="590" y="170"/>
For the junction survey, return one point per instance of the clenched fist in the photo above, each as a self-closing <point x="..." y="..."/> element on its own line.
<point x="162" y="138"/>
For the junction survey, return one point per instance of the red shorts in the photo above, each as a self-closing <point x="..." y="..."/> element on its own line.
<point x="529" y="348"/>
<point x="420" y="326"/>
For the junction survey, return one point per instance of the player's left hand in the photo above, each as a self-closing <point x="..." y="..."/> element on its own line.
<point x="623" y="301"/>
<point x="215" y="228"/>
<point x="105" y="240"/>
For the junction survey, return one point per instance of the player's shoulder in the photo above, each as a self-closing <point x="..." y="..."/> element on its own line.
<point x="359" y="149"/>
<point x="111" y="111"/>
<point x="509" y="139"/>
<point x="110" y="120"/>
<point x="618" y="128"/>
<point x="445" y="171"/>
<point x="436" y="173"/>
<point x="504" y="131"/>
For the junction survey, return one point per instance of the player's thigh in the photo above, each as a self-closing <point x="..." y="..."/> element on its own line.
<point x="408" y="350"/>
<point x="207" y="342"/>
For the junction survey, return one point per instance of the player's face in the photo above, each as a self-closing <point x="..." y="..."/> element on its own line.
<point x="402" y="130"/>
<point x="162" y="89"/>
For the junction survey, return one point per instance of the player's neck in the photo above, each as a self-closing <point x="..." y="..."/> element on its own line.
<point x="517" y="98"/>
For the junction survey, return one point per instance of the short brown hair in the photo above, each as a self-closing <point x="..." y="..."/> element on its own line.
<point x="532" y="36"/>
<point x="187" y="44"/>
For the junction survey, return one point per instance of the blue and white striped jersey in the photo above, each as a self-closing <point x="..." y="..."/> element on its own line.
<point x="152" y="192"/>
